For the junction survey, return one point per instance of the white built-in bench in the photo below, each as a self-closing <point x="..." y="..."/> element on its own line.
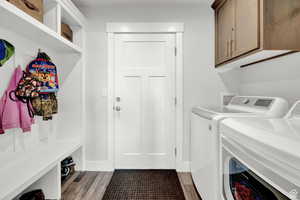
<point x="37" y="169"/>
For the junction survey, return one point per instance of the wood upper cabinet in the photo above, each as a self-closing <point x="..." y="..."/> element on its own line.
<point x="251" y="30"/>
<point x="224" y="27"/>
<point x="246" y="29"/>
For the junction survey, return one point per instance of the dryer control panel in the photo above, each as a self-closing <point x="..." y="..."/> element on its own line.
<point x="269" y="106"/>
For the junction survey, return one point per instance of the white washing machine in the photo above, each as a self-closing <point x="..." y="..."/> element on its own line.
<point x="205" y="138"/>
<point x="261" y="158"/>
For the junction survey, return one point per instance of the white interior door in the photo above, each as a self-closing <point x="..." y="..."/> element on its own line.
<point x="145" y="101"/>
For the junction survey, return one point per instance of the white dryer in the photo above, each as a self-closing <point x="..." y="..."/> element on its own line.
<point x="205" y="138"/>
<point x="261" y="158"/>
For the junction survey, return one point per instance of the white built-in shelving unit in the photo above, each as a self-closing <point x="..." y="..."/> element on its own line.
<point x="48" y="33"/>
<point x="32" y="160"/>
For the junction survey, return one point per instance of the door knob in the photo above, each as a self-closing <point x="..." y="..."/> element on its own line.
<point x="118" y="108"/>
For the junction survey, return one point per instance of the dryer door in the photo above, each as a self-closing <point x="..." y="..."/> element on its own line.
<point x="241" y="183"/>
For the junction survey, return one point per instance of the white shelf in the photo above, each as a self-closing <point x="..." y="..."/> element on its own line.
<point x="18" y="21"/>
<point x="26" y="168"/>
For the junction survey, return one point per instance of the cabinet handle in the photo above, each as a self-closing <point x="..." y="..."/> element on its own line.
<point x="231" y="48"/>
<point x="227" y="47"/>
<point x="232" y="43"/>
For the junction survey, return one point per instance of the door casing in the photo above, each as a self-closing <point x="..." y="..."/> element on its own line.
<point x="149" y="28"/>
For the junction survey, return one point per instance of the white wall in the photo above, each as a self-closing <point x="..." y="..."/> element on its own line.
<point x="278" y="77"/>
<point x="202" y="86"/>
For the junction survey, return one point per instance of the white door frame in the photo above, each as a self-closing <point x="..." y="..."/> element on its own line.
<point x="175" y="28"/>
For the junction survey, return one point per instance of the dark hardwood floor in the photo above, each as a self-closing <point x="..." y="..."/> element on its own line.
<point x="92" y="185"/>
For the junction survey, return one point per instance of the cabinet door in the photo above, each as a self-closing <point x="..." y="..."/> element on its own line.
<point x="224" y="25"/>
<point x="246" y="32"/>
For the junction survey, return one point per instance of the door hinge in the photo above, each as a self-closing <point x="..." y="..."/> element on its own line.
<point x="175" y="101"/>
<point x="175" y="51"/>
<point x="175" y="152"/>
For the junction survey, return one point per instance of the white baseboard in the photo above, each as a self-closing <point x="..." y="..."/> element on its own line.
<point x="104" y="166"/>
<point x="183" y="166"/>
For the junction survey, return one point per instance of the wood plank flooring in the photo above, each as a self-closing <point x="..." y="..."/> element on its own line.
<point x="92" y="185"/>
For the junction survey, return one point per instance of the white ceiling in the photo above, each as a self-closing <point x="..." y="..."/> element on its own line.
<point x="91" y="3"/>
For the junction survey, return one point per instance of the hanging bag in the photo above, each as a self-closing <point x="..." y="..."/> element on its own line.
<point x="45" y="105"/>
<point x="45" y="71"/>
<point x="27" y="89"/>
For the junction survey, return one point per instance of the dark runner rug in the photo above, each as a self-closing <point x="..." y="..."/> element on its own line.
<point x="144" y="185"/>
